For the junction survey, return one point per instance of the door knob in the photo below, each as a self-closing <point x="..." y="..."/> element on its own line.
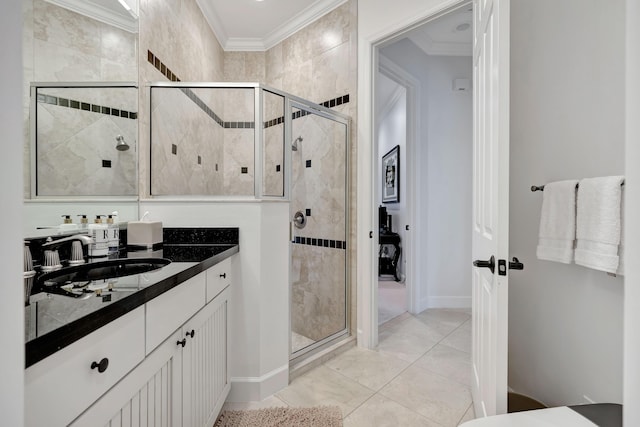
<point x="515" y="264"/>
<point x="491" y="264"/>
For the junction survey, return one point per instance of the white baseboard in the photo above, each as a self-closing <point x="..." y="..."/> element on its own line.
<point x="449" y="302"/>
<point x="252" y="389"/>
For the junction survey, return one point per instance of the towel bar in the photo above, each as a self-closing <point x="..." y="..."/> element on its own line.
<point x="541" y="187"/>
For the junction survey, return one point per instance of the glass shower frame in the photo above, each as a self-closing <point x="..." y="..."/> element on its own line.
<point x="290" y="102"/>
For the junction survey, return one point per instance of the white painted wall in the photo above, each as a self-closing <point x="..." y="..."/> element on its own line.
<point x="567" y="121"/>
<point x="259" y="337"/>
<point x="632" y="237"/>
<point x="12" y="290"/>
<point x="392" y="131"/>
<point x="443" y="174"/>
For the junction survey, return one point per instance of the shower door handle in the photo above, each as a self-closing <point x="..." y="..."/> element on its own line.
<point x="299" y="220"/>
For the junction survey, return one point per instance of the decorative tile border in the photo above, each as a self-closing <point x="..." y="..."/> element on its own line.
<point x="160" y="66"/>
<point x="301" y="113"/>
<point x="85" y="106"/>
<point x="325" y="243"/>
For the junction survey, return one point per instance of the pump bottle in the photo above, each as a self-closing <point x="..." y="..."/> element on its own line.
<point x="99" y="234"/>
<point x="114" y="236"/>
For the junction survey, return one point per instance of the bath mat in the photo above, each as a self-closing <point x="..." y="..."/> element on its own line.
<point x="317" y="416"/>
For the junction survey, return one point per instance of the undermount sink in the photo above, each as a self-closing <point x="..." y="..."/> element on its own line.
<point x="101" y="270"/>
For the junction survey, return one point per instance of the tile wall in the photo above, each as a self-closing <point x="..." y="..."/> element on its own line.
<point x="274" y="144"/>
<point x="319" y="250"/>
<point x="178" y="35"/>
<point x="76" y="134"/>
<point x="202" y="141"/>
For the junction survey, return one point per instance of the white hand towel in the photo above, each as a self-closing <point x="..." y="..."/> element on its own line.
<point x="558" y="222"/>
<point x="598" y="223"/>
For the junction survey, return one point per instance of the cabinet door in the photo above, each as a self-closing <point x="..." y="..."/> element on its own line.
<point x="66" y="383"/>
<point x="149" y="396"/>
<point x="204" y="364"/>
<point x="169" y="311"/>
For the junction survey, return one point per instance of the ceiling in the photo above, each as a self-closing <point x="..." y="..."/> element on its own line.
<point x="260" y="25"/>
<point x="450" y="34"/>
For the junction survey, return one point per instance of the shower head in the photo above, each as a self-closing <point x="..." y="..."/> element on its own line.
<point x="294" y="146"/>
<point x="121" y="145"/>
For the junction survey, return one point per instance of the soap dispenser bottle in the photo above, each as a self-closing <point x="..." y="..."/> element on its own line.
<point x="114" y="235"/>
<point x="67" y="224"/>
<point x="99" y="234"/>
<point x="84" y="222"/>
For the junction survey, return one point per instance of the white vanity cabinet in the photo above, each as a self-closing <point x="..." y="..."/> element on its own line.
<point x="205" y="373"/>
<point x="181" y="375"/>
<point x="183" y="382"/>
<point x="149" y="396"/>
<point x="60" y="387"/>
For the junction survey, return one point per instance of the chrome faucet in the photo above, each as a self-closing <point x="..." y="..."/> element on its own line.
<point x="85" y="239"/>
<point x="51" y="259"/>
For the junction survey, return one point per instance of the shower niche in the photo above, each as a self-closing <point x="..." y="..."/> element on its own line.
<point x="84" y="140"/>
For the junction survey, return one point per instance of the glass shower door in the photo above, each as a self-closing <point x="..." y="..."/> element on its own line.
<point x="319" y="285"/>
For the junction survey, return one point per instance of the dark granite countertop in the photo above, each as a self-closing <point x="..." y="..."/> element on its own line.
<point x="54" y="321"/>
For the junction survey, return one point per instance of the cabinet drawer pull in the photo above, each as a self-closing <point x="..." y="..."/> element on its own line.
<point x="191" y="334"/>
<point x="102" y="366"/>
<point x="183" y="342"/>
<point x="223" y="275"/>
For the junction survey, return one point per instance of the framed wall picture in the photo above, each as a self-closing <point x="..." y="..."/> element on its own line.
<point x="391" y="176"/>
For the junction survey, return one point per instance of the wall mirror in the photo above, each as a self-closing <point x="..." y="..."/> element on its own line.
<point x="83" y="140"/>
<point x="70" y="152"/>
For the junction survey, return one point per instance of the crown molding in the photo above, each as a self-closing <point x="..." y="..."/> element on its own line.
<point x="287" y="29"/>
<point x="430" y="47"/>
<point x="391" y="102"/>
<point x="245" y="44"/>
<point x="214" y="22"/>
<point x="301" y="20"/>
<point x="99" y="13"/>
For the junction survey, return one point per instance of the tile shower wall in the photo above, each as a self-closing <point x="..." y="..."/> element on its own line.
<point x="318" y="63"/>
<point x="177" y="33"/>
<point x="185" y="152"/>
<point x="274" y="144"/>
<point x="319" y="252"/>
<point x="202" y="141"/>
<point x="239" y="142"/>
<point x="76" y="136"/>
<point x="60" y="45"/>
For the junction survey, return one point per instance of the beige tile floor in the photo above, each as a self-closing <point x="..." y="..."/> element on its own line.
<point x="419" y="376"/>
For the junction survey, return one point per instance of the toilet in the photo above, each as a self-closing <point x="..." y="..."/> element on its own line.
<point x="600" y="415"/>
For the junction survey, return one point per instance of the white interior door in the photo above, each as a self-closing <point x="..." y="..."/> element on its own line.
<point x="490" y="205"/>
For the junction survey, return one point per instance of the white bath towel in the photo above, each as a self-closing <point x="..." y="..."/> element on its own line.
<point x="558" y="222"/>
<point x="598" y="223"/>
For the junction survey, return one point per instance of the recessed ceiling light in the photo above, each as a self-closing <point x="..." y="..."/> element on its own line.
<point x="463" y="27"/>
